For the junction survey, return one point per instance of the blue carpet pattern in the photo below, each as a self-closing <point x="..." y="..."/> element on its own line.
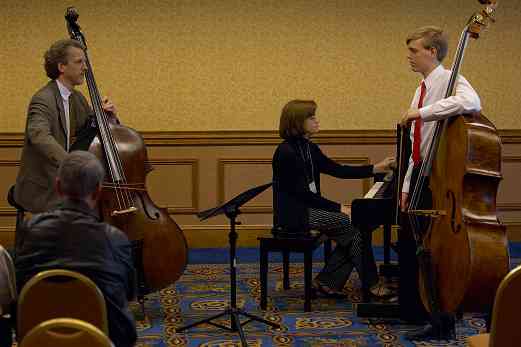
<point x="204" y="291"/>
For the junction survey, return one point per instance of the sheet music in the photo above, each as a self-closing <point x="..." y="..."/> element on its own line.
<point x="374" y="189"/>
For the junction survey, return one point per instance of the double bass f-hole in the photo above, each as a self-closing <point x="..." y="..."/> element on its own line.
<point x="455" y="227"/>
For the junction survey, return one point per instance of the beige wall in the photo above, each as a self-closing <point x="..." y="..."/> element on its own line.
<point x="207" y="66"/>
<point x="232" y="64"/>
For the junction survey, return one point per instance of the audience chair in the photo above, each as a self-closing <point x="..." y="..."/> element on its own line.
<point x="7" y="297"/>
<point x="65" y="332"/>
<point x="288" y="242"/>
<point x="7" y="281"/>
<point x="505" y="330"/>
<point x="60" y="294"/>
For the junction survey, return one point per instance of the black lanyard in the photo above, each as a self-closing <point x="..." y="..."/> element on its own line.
<point x="306" y="156"/>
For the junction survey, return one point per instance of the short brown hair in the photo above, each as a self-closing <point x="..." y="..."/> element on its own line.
<point x="293" y="116"/>
<point x="58" y="54"/>
<point x="80" y="174"/>
<point x="433" y="37"/>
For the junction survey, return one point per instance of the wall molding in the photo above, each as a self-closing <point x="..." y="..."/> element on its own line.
<point x="366" y="182"/>
<point x="217" y="151"/>
<point x="7" y="211"/>
<point x="194" y="164"/>
<point x="509" y="207"/>
<point x="9" y="163"/>
<point x="511" y="159"/>
<point x="221" y="178"/>
<point x="259" y="209"/>
<point x="261" y="137"/>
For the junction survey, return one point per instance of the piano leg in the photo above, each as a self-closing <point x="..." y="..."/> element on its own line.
<point x="387" y="269"/>
<point x="369" y="273"/>
<point x="387" y="244"/>
<point x="367" y="308"/>
<point x="409" y="306"/>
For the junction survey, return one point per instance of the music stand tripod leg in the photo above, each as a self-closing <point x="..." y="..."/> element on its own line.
<point x="233" y="311"/>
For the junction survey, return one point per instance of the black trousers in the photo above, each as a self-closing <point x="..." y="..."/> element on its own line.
<point x="348" y="253"/>
<point x="411" y="306"/>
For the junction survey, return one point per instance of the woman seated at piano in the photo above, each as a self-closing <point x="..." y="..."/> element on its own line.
<point x="299" y="207"/>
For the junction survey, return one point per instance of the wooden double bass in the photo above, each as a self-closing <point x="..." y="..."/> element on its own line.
<point x="463" y="253"/>
<point x="160" y="248"/>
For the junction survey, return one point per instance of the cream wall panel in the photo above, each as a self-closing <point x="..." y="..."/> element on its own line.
<point x="196" y="171"/>
<point x="223" y="65"/>
<point x="345" y="190"/>
<point x="173" y="184"/>
<point x="239" y="175"/>
<point x="511" y="169"/>
<point x="8" y="172"/>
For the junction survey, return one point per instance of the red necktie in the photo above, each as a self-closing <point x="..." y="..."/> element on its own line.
<point x="416" y="155"/>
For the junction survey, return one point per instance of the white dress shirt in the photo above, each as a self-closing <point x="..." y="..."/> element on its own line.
<point x="437" y="107"/>
<point x="65" y="93"/>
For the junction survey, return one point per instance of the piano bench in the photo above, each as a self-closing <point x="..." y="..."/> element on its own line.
<point x="286" y="243"/>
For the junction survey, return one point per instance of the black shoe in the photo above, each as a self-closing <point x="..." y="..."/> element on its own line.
<point x="430" y="333"/>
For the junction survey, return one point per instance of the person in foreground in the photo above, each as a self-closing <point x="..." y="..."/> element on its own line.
<point x="298" y="204"/>
<point x="427" y="47"/>
<point x="72" y="237"/>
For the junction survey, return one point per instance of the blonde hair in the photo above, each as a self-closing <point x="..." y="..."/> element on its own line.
<point x="293" y="117"/>
<point x="433" y="37"/>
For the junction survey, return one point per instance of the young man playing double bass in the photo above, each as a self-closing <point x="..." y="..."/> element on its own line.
<point x="55" y="114"/>
<point x="427" y="47"/>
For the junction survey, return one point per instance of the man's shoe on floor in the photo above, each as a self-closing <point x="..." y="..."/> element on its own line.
<point x="429" y="333"/>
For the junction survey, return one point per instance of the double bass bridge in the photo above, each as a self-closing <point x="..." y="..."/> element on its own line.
<point x="131" y="209"/>
<point x="428" y="213"/>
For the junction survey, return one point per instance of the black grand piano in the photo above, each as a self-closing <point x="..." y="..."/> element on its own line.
<point x="379" y="207"/>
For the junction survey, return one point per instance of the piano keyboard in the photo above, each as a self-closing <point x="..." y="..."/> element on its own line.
<point x="374" y="189"/>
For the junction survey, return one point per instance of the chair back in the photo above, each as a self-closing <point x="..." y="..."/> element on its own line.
<point x="65" y="332"/>
<point x="60" y="294"/>
<point x="7" y="281"/>
<point x="507" y="307"/>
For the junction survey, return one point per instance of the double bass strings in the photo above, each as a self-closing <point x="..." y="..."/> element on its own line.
<point x="124" y="197"/>
<point x="426" y="166"/>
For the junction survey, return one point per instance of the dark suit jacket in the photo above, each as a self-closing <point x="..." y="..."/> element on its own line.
<point x="72" y="237"/>
<point x="44" y="146"/>
<point x="291" y="177"/>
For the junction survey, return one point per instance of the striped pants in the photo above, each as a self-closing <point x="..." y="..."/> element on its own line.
<point x="348" y="253"/>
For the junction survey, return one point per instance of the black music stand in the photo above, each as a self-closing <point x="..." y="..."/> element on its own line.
<point x="231" y="210"/>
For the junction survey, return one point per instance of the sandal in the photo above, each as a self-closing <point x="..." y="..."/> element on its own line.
<point x="326" y="291"/>
<point x="379" y="290"/>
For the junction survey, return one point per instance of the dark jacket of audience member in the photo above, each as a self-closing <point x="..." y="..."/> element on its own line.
<point x="73" y="237"/>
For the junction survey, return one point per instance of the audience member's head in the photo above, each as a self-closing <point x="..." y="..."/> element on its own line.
<point x="80" y="177"/>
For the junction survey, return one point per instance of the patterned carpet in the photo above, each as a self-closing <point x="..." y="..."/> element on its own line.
<point x="204" y="290"/>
